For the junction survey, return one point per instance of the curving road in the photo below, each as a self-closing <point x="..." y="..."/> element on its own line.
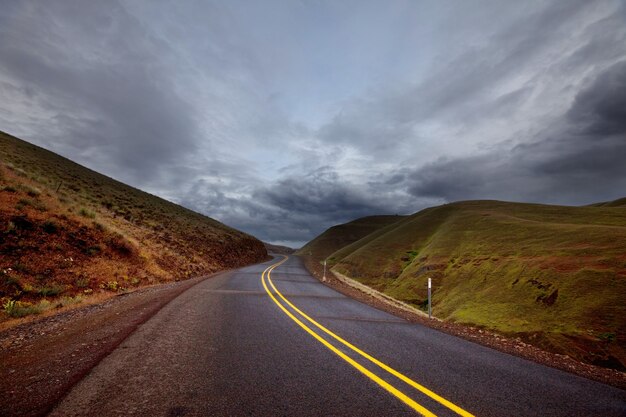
<point x="271" y="340"/>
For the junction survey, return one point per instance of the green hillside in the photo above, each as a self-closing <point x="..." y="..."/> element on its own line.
<point x="342" y="235"/>
<point x="621" y="202"/>
<point x="67" y="231"/>
<point x="552" y="275"/>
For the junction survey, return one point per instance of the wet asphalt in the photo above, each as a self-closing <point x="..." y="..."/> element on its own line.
<point x="224" y="348"/>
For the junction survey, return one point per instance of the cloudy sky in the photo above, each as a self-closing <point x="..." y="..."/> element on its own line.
<point x="282" y="118"/>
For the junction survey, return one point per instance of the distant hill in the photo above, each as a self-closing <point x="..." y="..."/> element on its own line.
<point x="68" y="231"/>
<point x="342" y="235"/>
<point x="615" y="203"/>
<point x="552" y="275"/>
<point x="278" y="249"/>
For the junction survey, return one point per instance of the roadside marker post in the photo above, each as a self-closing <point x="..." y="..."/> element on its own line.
<point x="430" y="308"/>
<point x="324" y="278"/>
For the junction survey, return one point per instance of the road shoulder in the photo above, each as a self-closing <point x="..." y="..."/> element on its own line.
<point x="41" y="360"/>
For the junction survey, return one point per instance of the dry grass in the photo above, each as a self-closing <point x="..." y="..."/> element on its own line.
<point x="66" y="230"/>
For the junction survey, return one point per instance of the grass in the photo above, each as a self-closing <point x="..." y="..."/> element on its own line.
<point x="342" y="235"/>
<point x="87" y="213"/>
<point x="557" y="273"/>
<point x="17" y="309"/>
<point x="60" y="221"/>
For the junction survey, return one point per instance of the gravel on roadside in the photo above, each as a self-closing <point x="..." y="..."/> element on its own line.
<point x="42" y="359"/>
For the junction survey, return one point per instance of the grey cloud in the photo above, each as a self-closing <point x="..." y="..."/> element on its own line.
<point x="125" y="105"/>
<point x="460" y="91"/>
<point x="600" y="109"/>
<point x="294" y="209"/>
<point x="579" y="162"/>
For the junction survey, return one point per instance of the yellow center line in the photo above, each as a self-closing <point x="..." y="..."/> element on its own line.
<point x="394" y="391"/>
<point x="387" y="368"/>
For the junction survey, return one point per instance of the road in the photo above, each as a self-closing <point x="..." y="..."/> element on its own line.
<point x="269" y="339"/>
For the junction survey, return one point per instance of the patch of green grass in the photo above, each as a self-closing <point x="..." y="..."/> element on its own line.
<point x="111" y="286"/>
<point x="25" y="202"/>
<point x="18" y="309"/>
<point x="87" y="213"/>
<point x="51" y="290"/>
<point x="30" y="191"/>
<point x="82" y="282"/>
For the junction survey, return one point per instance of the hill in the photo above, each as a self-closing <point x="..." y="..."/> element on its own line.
<point x="342" y="235"/>
<point x="284" y="250"/>
<point x="621" y="202"/>
<point x="67" y="231"/>
<point x="554" y="276"/>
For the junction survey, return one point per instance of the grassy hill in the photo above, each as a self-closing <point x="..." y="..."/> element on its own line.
<point x="67" y="231"/>
<point x="554" y="276"/>
<point x="285" y="250"/>
<point x="340" y="236"/>
<point x="615" y="203"/>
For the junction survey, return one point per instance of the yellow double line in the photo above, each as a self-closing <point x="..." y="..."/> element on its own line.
<point x="388" y="387"/>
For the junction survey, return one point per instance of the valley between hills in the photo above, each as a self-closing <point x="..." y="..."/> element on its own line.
<point x="73" y="241"/>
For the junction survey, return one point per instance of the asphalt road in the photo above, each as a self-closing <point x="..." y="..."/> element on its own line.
<point x="226" y="347"/>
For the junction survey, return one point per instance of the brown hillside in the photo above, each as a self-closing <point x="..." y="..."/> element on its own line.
<point x="67" y="231"/>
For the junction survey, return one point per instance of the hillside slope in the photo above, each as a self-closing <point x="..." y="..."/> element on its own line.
<point x="340" y="236"/>
<point x="554" y="276"/>
<point x="66" y="231"/>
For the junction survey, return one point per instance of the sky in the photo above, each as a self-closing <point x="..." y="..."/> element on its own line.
<point x="283" y="118"/>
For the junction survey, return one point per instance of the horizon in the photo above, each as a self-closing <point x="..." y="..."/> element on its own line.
<point x="282" y="120"/>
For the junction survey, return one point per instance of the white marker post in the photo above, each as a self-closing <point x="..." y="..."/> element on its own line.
<point x="324" y="278"/>
<point x="430" y="309"/>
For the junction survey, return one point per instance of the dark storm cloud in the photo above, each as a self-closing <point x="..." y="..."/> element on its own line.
<point x="319" y="192"/>
<point x="585" y="152"/>
<point x="600" y="110"/>
<point x="295" y="207"/>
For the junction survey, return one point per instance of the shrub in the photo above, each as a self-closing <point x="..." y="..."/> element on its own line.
<point x="20" y="309"/>
<point x="93" y="250"/>
<point x="87" y="213"/>
<point x="10" y="306"/>
<point x="51" y="290"/>
<point x="110" y="285"/>
<point x="24" y="202"/>
<point x="11" y="228"/>
<point x="8" y="189"/>
<point x="12" y="279"/>
<point x="66" y="301"/>
<point x="99" y="226"/>
<point x="82" y="282"/>
<point x="33" y="192"/>
<point x="122" y="245"/>
<point x="20" y="267"/>
<point x="608" y="337"/>
<point x="50" y="227"/>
